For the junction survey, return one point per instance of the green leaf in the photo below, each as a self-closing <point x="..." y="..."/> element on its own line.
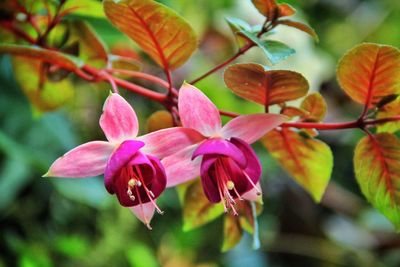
<point x="60" y="59"/>
<point x="165" y="36"/>
<point x="377" y="169"/>
<point x="309" y="161"/>
<point x="86" y="8"/>
<point x="275" y="51"/>
<point x="91" y="48"/>
<point x="315" y="106"/>
<point x="389" y="110"/>
<point x="44" y="94"/>
<point x="197" y="209"/>
<point x="237" y="25"/>
<point x="232" y="232"/>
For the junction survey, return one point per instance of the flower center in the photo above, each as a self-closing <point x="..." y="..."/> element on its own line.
<point x="226" y="187"/>
<point x="136" y="184"/>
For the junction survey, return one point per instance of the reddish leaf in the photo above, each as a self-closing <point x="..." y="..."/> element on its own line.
<point x="300" y="26"/>
<point x="389" y="110"/>
<point x="370" y="72"/>
<point x="286" y="10"/>
<point x="315" y="105"/>
<point x="268" y="8"/>
<point x="158" y="30"/>
<point x="255" y="83"/>
<point x="377" y="168"/>
<point x="309" y="161"/>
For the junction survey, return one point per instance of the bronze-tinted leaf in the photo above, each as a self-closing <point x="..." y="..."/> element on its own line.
<point x="160" y="120"/>
<point x="377" y="168"/>
<point x="316" y="107"/>
<point x="253" y="82"/>
<point x="370" y="72"/>
<point x="232" y="232"/>
<point x="158" y="30"/>
<point x="294" y="112"/>
<point x="300" y="26"/>
<point x="309" y="161"/>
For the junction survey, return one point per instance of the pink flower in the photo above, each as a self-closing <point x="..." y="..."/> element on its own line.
<point x="228" y="166"/>
<point x="131" y="166"/>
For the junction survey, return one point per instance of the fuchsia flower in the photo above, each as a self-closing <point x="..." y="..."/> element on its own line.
<point x="227" y="164"/>
<point x="131" y="167"/>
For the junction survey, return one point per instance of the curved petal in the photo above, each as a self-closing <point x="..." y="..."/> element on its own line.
<point x="86" y="160"/>
<point x="218" y="146"/>
<point x="254" y="194"/>
<point x="253" y="168"/>
<point x="166" y="142"/>
<point x="252" y="127"/>
<point x="210" y="186"/>
<point x="180" y="167"/>
<point x="159" y="181"/>
<point x="144" y="212"/>
<point x="121" y="156"/>
<point x="118" y="121"/>
<point x="197" y="111"/>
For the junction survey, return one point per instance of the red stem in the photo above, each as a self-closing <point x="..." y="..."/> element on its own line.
<point x="223" y="64"/>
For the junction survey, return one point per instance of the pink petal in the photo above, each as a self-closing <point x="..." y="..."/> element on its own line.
<point x="252" y="127"/>
<point x="197" y="111"/>
<point x="144" y="212"/>
<point x="253" y="195"/>
<point x="118" y="121"/>
<point x="86" y="160"/>
<point x="166" y="142"/>
<point x="180" y="167"/>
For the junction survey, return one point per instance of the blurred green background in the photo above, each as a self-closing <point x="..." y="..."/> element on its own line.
<point x="68" y="222"/>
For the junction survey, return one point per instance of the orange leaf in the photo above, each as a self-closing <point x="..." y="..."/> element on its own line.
<point x="255" y="83"/>
<point x="159" y="31"/>
<point x="309" y="161"/>
<point x="377" y="169"/>
<point x="300" y="26"/>
<point x="268" y="8"/>
<point x="315" y="105"/>
<point x="160" y="120"/>
<point x="286" y="10"/>
<point x="369" y="72"/>
<point x="232" y="232"/>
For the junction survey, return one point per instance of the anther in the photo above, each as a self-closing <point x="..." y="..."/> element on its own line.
<point x="230" y="185"/>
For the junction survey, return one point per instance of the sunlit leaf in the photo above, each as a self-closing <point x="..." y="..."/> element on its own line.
<point x="91" y="48"/>
<point x="160" y="120"/>
<point x="377" y="168"/>
<point x="197" y="209"/>
<point x="286" y="10"/>
<point x="126" y="63"/>
<point x="87" y="8"/>
<point x="275" y="51"/>
<point x="65" y="61"/>
<point x="44" y="94"/>
<point x="253" y="82"/>
<point x="370" y="71"/>
<point x="300" y="26"/>
<point x="232" y="232"/>
<point x="309" y="161"/>
<point x="158" y="30"/>
<point x="316" y="107"/>
<point x="389" y="110"/>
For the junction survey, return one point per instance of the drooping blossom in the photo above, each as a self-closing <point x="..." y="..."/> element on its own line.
<point x="131" y="167"/>
<point x="228" y="167"/>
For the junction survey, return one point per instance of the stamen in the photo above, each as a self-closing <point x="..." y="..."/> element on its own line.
<point x="252" y="183"/>
<point x="230" y="185"/>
